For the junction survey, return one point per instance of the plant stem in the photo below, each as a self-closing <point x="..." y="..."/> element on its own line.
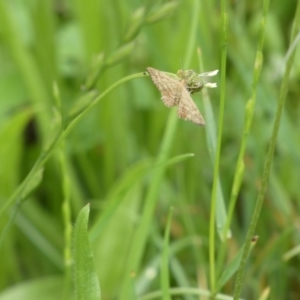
<point x="217" y="157"/>
<point x="268" y="161"/>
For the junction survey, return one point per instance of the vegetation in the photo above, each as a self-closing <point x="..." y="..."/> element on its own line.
<point x="106" y="194"/>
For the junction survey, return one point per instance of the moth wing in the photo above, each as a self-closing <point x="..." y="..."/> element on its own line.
<point x="187" y="109"/>
<point x="171" y="89"/>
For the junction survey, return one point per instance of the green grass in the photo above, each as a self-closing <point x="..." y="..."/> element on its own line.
<point x="173" y="207"/>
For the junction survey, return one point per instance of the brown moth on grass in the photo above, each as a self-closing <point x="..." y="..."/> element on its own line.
<point x="175" y="93"/>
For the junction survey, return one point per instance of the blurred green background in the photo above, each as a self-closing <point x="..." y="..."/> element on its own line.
<point x="56" y="58"/>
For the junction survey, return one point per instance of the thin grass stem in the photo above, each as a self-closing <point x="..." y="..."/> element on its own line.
<point x="217" y="156"/>
<point x="269" y="158"/>
<point x="249" y="110"/>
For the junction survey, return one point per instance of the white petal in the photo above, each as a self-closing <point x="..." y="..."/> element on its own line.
<point x="210" y="85"/>
<point x="212" y="73"/>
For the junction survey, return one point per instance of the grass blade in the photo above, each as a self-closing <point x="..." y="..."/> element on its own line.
<point x="165" y="280"/>
<point x="86" y="279"/>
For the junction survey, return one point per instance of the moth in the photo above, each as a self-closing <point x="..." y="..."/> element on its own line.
<point x="175" y="93"/>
